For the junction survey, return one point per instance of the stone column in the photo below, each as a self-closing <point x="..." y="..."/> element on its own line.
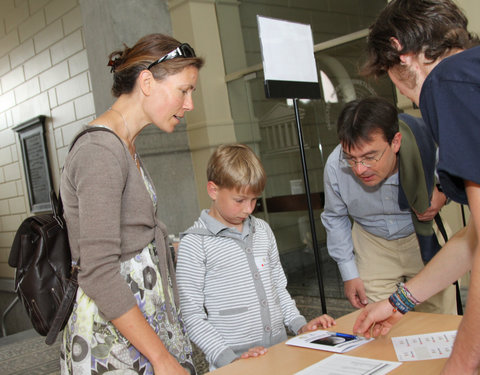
<point x="210" y="124"/>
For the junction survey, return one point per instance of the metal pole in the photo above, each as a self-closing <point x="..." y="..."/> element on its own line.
<point x="310" y="210"/>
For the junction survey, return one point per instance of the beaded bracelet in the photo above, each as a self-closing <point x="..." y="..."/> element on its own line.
<point x="402" y="300"/>
<point x="397" y="304"/>
<point x="405" y="292"/>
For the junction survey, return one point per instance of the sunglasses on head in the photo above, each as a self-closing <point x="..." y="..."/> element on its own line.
<point x="183" y="50"/>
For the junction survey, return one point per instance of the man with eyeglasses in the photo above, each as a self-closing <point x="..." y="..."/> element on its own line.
<point x="386" y="193"/>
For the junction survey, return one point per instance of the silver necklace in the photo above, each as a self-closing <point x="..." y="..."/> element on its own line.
<point x="135" y="156"/>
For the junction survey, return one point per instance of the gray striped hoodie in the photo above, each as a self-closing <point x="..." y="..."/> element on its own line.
<point x="232" y="289"/>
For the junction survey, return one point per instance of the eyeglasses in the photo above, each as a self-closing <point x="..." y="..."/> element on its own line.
<point x="368" y="162"/>
<point x="183" y="50"/>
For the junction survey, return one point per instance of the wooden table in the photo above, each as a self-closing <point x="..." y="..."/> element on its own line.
<point x="283" y="359"/>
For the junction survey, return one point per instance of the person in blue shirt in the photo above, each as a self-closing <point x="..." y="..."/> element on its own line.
<point x="429" y="54"/>
<point x="363" y="184"/>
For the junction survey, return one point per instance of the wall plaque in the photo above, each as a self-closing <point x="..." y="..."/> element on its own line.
<point x="35" y="163"/>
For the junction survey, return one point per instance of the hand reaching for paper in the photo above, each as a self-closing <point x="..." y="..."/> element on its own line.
<point x="376" y="319"/>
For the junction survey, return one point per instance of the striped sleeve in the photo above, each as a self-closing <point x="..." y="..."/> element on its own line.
<point x="191" y="272"/>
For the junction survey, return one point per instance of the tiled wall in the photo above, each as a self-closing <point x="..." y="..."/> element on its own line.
<point x="43" y="71"/>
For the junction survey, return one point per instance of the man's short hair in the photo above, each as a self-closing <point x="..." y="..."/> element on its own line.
<point x="434" y="27"/>
<point x="235" y="166"/>
<point x="362" y="118"/>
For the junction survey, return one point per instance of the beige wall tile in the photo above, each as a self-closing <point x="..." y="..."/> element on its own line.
<point x="84" y="106"/>
<point x="73" y="88"/>
<point x="58" y="8"/>
<point x="63" y="114"/>
<point x="67" y="47"/>
<point x="36" y="5"/>
<point x="78" y="63"/>
<point x="27" y="90"/>
<point x="6" y="6"/>
<point x="5" y="156"/>
<point x="48" y="36"/>
<point x="30" y="108"/>
<point x="31" y="26"/>
<point x="3" y="120"/>
<point x="22" y="53"/>
<point x="7" y="101"/>
<point x="10" y="223"/>
<point x="52" y="97"/>
<point x="7" y="138"/>
<point x="58" y="136"/>
<point x="8" y="42"/>
<point x="15" y="16"/>
<point x="8" y="190"/>
<point x="4" y="210"/>
<point x="37" y="64"/>
<point x="12" y="172"/>
<point x="17" y="205"/>
<point x="72" y="20"/>
<point x="53" y="76"/>
<point x="4" y="65"/>
<point x="13" y="78"/>
<point x="20" y="187"/>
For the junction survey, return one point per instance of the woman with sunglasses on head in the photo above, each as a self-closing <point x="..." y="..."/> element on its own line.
<point x="126" y="315"/>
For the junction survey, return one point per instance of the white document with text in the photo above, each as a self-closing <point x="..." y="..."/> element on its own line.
<point x="427" y="346"/>
<point x="345" y="364"/>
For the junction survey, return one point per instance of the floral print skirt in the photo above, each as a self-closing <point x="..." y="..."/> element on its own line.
<point x="92" y="345"/>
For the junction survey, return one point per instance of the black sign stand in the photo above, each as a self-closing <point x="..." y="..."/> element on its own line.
<point x="290" y="72"/>
<point x="316" y="252"/>
<point x="275" y="89"/>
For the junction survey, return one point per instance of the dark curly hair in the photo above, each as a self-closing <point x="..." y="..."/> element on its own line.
<point x="434" y="27"/>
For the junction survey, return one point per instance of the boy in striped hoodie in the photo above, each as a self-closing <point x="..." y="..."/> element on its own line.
<point x="231" y="283"/>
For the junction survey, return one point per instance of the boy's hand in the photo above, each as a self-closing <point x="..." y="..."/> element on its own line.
<point x="254" y="352"/>
<point x="324" y="321"/>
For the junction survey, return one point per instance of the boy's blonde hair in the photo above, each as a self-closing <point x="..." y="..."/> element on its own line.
<point x="235" y="166"/>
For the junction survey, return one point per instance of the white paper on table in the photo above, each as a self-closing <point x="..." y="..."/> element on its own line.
<point x="345" y="364"/>
<point x="315" y="339"/>
<point x="427" y="346"/>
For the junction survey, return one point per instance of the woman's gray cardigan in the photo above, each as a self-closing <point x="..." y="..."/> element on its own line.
<point x="110" y="218"/>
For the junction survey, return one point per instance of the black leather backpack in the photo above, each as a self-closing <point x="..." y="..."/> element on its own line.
<point x="46" y="277"/>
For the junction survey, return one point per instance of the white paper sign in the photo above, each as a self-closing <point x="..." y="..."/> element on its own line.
<point x="287" y="50"/>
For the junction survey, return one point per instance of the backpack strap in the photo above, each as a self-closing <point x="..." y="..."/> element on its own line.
<point x="57" y="205"/>
<point x="89" y="129"/>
